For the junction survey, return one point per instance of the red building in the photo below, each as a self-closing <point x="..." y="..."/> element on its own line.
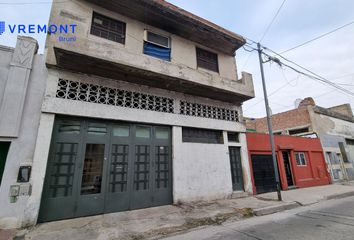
<point x="301" y="162"/>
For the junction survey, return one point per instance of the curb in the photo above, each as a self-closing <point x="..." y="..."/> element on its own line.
<point x="337" y="196"/>
<point x="275" y="209"/>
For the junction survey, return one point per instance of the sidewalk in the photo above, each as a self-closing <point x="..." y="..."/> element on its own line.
<point x="311" y="195"/>
<point x="165" y="220"/>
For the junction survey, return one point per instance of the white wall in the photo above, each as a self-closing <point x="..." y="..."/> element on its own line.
<point x="202" y="171"/>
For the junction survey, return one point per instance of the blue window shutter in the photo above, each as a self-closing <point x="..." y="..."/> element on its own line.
<point x="157" y="51"/>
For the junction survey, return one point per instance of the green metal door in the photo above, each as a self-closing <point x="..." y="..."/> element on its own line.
<point x="99" y="167"/>
<point x="236" y="168"/>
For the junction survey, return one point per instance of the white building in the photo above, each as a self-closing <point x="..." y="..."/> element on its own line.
<point x="142" y="108"/>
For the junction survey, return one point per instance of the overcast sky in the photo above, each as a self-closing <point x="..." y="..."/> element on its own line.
<point x="298" y="21"/>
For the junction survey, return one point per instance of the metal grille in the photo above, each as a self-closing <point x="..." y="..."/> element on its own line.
<point x="207" y="111"/>
<point x="111" y="96"/>
<point x="62" y="174"/>
<point x="141" y="167"/>
<point x="236" y="168"/>
<point x="119" y="168"/>
<point x="162" y="167"/>
<point x="108" y="28"/>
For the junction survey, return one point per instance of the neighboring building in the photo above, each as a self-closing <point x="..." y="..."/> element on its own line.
<point x="334" y="126"/>
<point x="22" y="86"/>
<point x="300" y="160"/>
<point x="141" y="109"/>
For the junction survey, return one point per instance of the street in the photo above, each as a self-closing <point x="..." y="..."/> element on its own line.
<point x="332" y="219"/>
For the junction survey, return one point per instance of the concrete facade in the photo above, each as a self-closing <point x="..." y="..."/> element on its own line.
<point x="334" y="126"/>
<point x="200" y="171"/>
<point x="22" y="86"/>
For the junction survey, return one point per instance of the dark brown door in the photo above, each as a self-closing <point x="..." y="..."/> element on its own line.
<point x="287" y="165"/>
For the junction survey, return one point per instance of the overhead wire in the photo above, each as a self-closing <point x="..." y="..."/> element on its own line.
<point x="271" y="22"/>
<point x="319" y="37"/>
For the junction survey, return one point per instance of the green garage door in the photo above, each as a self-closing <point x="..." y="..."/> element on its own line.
<point x="97" y="167"/>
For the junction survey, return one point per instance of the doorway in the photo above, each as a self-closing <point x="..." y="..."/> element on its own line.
<point x="236" y="168"/>
<point x="4" y="149"/>
<point x="288" y="169"/>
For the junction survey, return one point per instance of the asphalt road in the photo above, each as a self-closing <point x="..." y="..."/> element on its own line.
<point x="332" y="219"/>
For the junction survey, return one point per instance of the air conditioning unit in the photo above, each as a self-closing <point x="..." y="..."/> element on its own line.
<point x="156" y="39"/>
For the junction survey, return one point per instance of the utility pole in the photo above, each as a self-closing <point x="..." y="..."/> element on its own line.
<point x="270" y="128"/>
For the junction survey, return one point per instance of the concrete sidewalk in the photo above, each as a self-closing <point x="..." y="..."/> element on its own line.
<point x="311" y="195"/>
<point x="174" y="219"/>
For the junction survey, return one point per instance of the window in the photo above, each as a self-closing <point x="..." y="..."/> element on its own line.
<point x="207" y="60"/>
<point x="300" y="159"/>
<point x="156" y="45"/>
<point x="108" y="28"/>
<point x="197" y="135"/>
<point x="298" y="131"/>
<point x="232" y="137"/>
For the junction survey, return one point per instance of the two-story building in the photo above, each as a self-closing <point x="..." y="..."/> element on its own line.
<point x="142" y="108"/>
<point x="334" y="126"/>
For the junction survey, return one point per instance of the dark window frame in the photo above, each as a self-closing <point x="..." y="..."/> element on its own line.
<point x="199" y="135"/>
<point x="204" y="61"/>
<point x="233" y="137"/>
<point x="119" y="36"/>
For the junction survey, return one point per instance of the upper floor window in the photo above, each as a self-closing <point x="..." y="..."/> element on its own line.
<point x="300" y="159"/>
<point x="207" y="60"/>
<point x="156" y="45"/>
<point x="108" y="28"/>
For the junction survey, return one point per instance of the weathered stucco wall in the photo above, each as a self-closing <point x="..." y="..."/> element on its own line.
<point x="22" y="147"/>
<point x="202" y="171"/>
<point x="332" y="131"/>
<point x="183" y="63"/>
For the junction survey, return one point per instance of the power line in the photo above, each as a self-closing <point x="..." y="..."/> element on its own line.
<point x="272" y="93"/>
<point x="265" y="32"/>
<point x="314" y="76"/>
<point x="316" y="38"/>
<point x="271" y="22"/>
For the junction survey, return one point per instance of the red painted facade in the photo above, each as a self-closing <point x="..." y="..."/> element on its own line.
<point x="314" y="173"/>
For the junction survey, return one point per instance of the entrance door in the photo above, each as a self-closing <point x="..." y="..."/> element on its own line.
<point x="288" y="171"/>
<point x="4" y="148"/>
<point x="97" y="167"/>
<point x="93" y="161"/>
<point x="236" y="168"/>
<point x="263" y="173"/>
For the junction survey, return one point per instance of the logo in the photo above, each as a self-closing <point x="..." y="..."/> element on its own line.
<point x="63" y="32"/>
<point x="2" y="27"/>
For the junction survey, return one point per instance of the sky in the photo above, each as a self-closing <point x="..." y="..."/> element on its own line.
<point x="298" y="21"/>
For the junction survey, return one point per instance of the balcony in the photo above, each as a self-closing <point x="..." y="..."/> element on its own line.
<point x="97" y="56"/>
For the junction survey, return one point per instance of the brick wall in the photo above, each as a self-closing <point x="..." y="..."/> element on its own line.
<point x="285" y="120"/>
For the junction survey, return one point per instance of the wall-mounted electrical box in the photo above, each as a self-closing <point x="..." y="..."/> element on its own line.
<point x="24" y="174"/>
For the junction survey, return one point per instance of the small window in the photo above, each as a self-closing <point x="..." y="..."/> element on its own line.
<point x="300" y="159"/>
<point x="161" y="133"/>
<point x="142" y="132"/>
<point x="121" y="131"/>
<point x="298" y="131"/>
<point x="108" y="28"/>
<point x="232" y="137"/>
<point x="197" y="135"/>
<point x="99" y="129"/>
<point x="207" y="60"/>
<point x="70" y="127"/>
<point x="156" y="45"/>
